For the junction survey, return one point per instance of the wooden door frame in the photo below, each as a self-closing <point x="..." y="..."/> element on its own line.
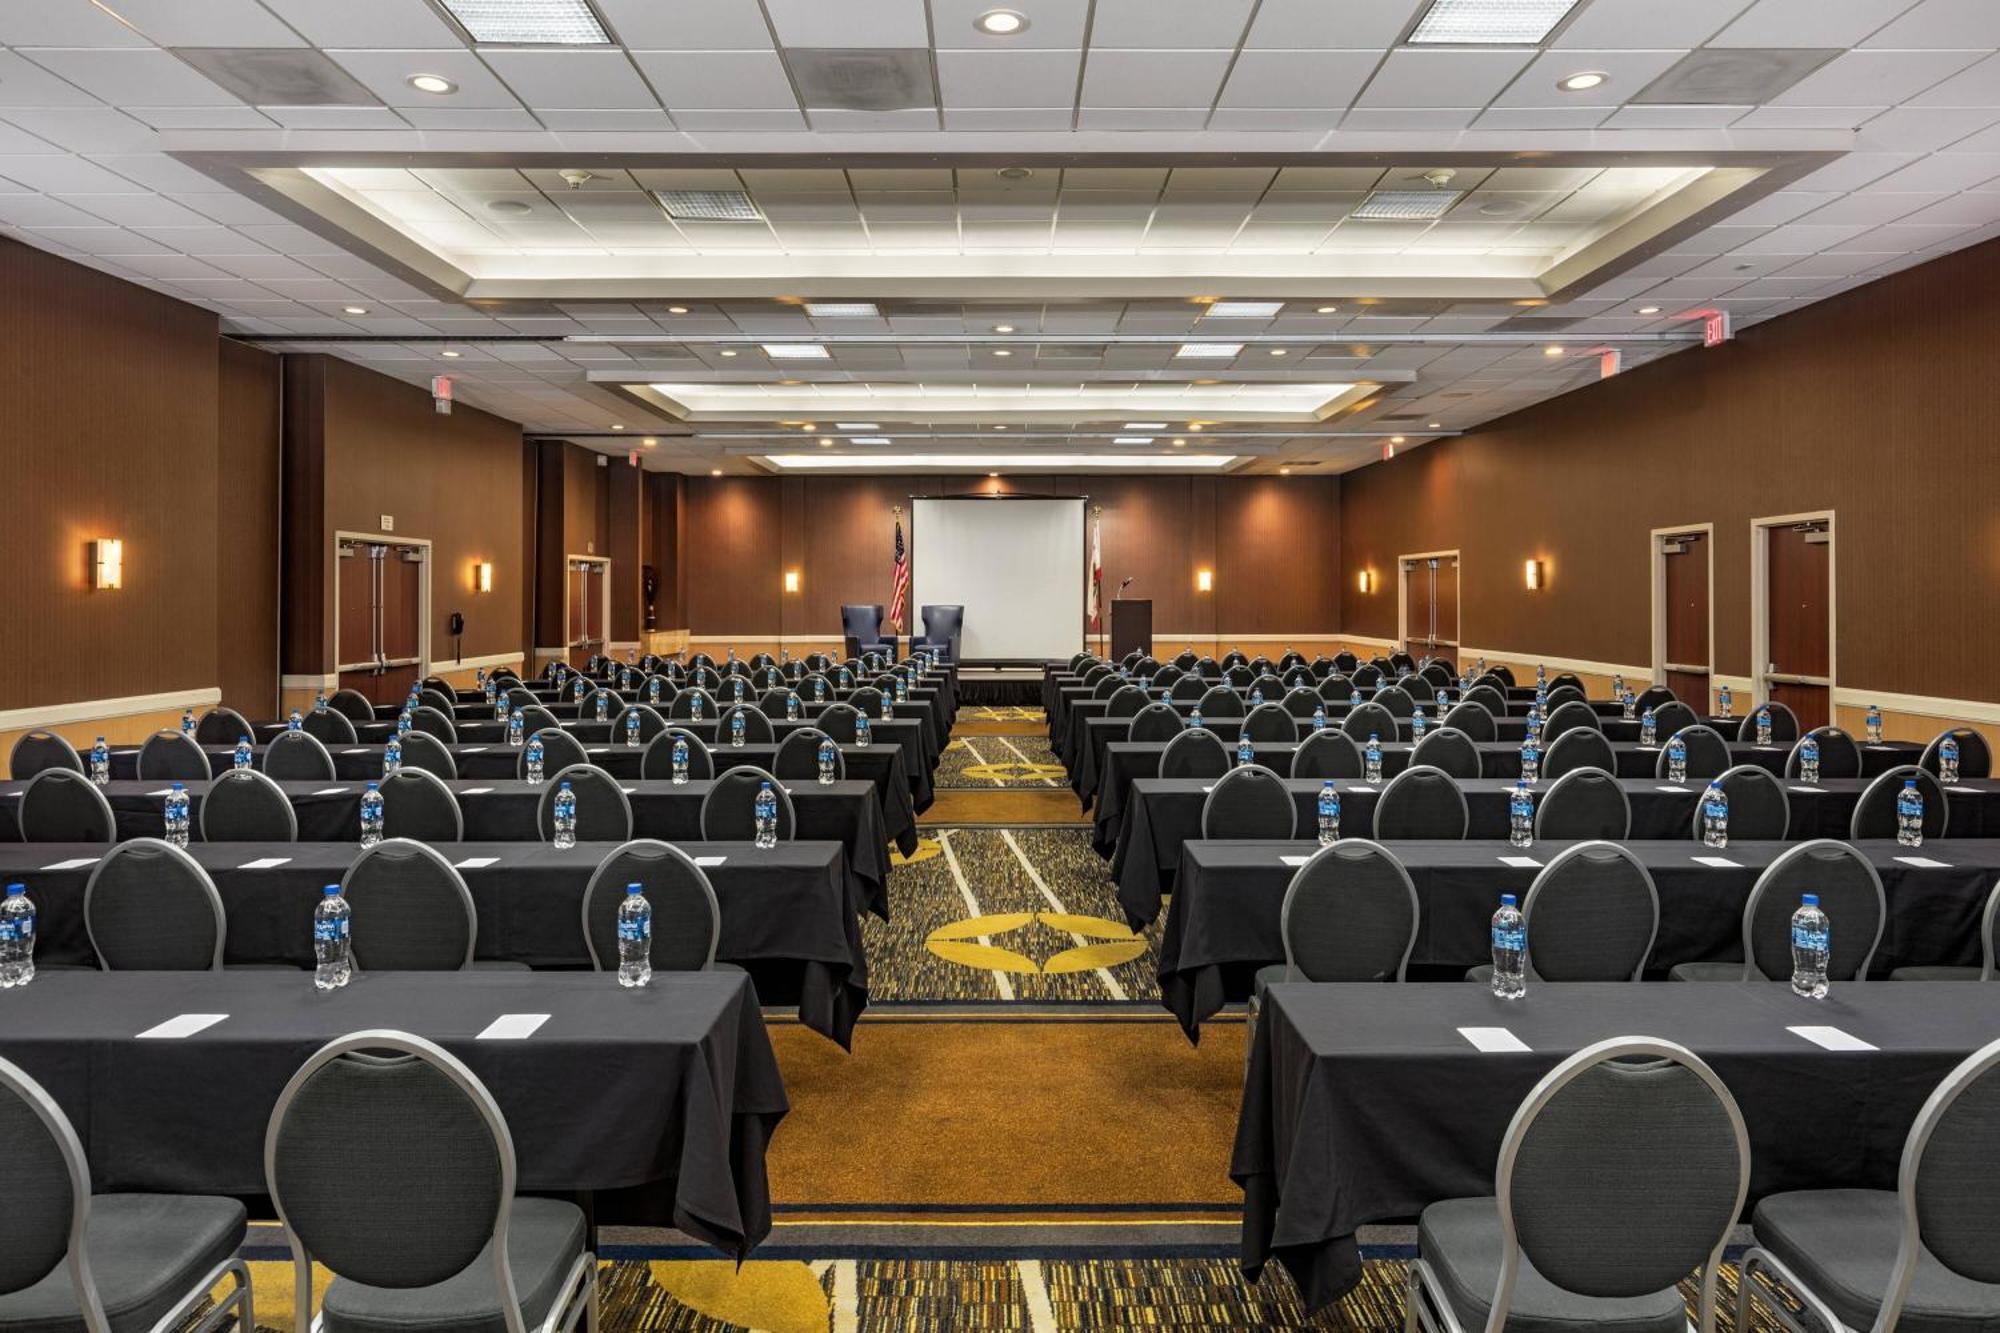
<point x="604" y="598"/>
<point x="1760" y="599"/>
<point x="1403" y="597"/>
<point x="342" y="536"/>
<point x="1659" y="567"/>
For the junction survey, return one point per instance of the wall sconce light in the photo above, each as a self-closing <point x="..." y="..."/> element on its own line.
<point x="791" y="580"/>
<point x="107" y="563"/>
<point x="482" y="576"/>
<point x="1535" y="575"/>
<point x="1204" y="580"/>
<point x="1365" y="581"/>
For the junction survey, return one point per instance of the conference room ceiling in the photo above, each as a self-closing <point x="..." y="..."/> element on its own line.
<point x="1022" y="227"/>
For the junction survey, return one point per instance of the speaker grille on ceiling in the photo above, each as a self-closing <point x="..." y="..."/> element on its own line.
<point x="862" y="78"/>
<point x="1733" y="76"/>
<point x="278" y="76"/>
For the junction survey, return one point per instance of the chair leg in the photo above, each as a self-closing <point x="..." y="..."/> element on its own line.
<point x="1413" y="1296"/>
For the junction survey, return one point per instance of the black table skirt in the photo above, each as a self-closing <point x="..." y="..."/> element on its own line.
<point x="1223" y="924"/>
<point x="787" y="916"/>
<point x="660" y="1102"/>
<point x="1362" y="1104"/>
<point x="844" y="812"/>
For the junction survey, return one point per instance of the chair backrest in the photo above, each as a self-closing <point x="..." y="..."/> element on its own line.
<point x="167" y="754"/>
<point x="1345" y="661"/>
<point x="1421" y="802"/>
<point x="1269" y="684"/>
<point x="1126" y="702"/>
<point x="603" y="814"/>
<point x="1327" y="754"/>
<point x="869" y="700"/>
<point x="244" y="805"/>
<point x="1473" y="718"/>
<point x="862" y="623"/>
<point x="1875" y="812"/>
<point x="424" y="751"/>
<point x="1196" y="752"/>
<point x="1301" y="702"/>
<point x="1448" y="750"/>
<point x="223" y="726"/>
<point x="440" y="698"/>
<point x="683" y="706"/>
<point x="1579" y="747"/>
<point x="1560" y="695"/>
<point x="330" y="726"/>
<point x="757" y="729"/>
<point x="1759" y="810"/>
<point x="1584" y="803"/>
<point x="1249" y="802"/>
<point x="943" y="623"/>
<point x="61" y="805"/>
<point x="297" y="756"/>
<point x="1784" y="724"/>
<point x="1504" y="674"/>
<point x="728" y="812"/>
<point x="657" y="764"/>
<point x="536" y="718"/>
<point x="560" y="750"/>
<point x="38" y="751"/>
<point x="520" y="696"/>
<point x="412" y="910"/>
<point x="1850" y="893"/>
<point x="1839" y="756"/>
<point x="1592" y="915"/>
<point x="1221" y="701"/>
<point x="1949" y="1182"/>
<point x="1188" y="688"/>
<point x="46" y="1220"/>
<point x="1270" y="722"/>
<point x="586" y="706"/>
<point x="797" y="759"/>
<point x="1335" y="689"/>
<point x="665" y="694"/>
<point x="1350" y="914"/>
<point x="773" y="702"/>
<point x="1094" y="674"/>
<point x="1623" y="1171"/>
<point x="1370" y="719"/>
<point x="149" y="906"/>
<point x="1652" y="697"/>
<point x="1707" y="752"/>
<point x="1208" y="668"/>
<point x="434" y="722"/>
<point x="1671" y="717"/>
<point x="1156" y="722"/>
<point x="706" y="678"/>
<point x="1367" y="675"/>
<point x="1567" y="716"/>
<point x="1490" y="697"/>
<point x="1165" y="676"/>
<point x="1975" y="757"/>
<point x="1397" y="700"/>
<point x="1437" y="675"/>
<point x="418" y="805"/>
<point x="687" y="917"/>
<point x="1239" y="676"/>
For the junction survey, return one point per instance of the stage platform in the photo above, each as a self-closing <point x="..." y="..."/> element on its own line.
<point x="1004" y="685"/>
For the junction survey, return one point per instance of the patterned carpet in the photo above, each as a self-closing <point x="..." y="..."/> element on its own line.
<point x="1000" y="760"/>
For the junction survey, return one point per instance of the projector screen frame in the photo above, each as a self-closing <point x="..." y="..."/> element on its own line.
<point x="1089" y="512"/>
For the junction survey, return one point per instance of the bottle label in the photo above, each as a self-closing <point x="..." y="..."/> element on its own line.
<point x="632" y="932"/>
<point x="1809" y="939"/>
<point x="329" y="930"/>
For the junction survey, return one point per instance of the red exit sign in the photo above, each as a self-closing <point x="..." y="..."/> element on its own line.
<point x="1716" y="329"/>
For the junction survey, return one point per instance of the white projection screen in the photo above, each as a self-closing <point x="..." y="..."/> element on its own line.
<point x="1017" y="566"/>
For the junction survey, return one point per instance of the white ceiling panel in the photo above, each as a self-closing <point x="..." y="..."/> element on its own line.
<point x="571" y="78"/>
<point x="1051" y="23"/>
<point x="688" y="25"/>
<point x="132" y="77"/>
<point x="1298" y="78"/>
<point x="1810" y="23"/>
<point x="25" y="84"/>
<point x="851" y="23"/>
<point x="1331" y="24"/>
<point x="387" y="74"/>
<point x="1648" y="24"/>
<point x="751" y="80"/>
<point x="1626" y="73"/>
<point x="1875" y="78"/>
<point x="1008" y="78"/>
<point x="1130" y="79"/>
<point x="1169" y="23"/>
<point x="1419" y="77"/>
<point x="362" y="23"/>
<point x="1008" y="118"/>
<point x="207" y="23"/>
<point x="63" y="23"/>
<point x="1941" y="24"/>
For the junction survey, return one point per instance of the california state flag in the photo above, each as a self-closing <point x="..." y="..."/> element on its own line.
<point x="1096" y="574"/>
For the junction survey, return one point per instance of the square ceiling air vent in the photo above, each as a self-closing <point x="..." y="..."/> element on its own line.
<point x="709" y="205"/>
<point x="862" y="78"/>
<point x="1406" y="205"/>
<point x="278" y="76"/>
<point x="1733" y="76"/>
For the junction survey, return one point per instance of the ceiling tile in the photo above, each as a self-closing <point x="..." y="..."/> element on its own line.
<point x="364" y="23"/>
<point x="1008" y="78"/>
<point x="1361" y="25"/>
<point x="63" y="23"/>
<point x="207" y="23"/>
<point x="1542" y="118"/>
<point x="1008" y="118"/>
<point x="687" y="25"/>
<point x="571" y="78"/>
<point x="1154" y="79"/>
<point x="1413" y="77"/>
<point x="1627" y="72"/>
<point x="1297" y="78"/>
<point x="387" y="74"/>
<point x="851" y="23"/>
<point x="132" y="78"/>
<point x="1942" y="23"/>
<point x="1809" y="23"/>
<point x="1635" y="25"/>
<point x="1051" y="23"/>
<point x="1178" y="24"/>
<point x="609" y="119"/>
<point x="711" y="80"/>
<point x="1874" y="78"/>
<point x="1141" y="118"/>
<point x="25" y="84"/>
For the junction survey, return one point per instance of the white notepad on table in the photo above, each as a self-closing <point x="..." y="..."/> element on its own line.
<point x="74" y="863"/>
<point x="707" y="861"/>
<point x="476" y="862"/>
<point x="264" y="863"/>
<point x="1521" y="862"/>
<point x="472" y="749"/>
<point x="1493" y="1041"/>
<point x="1832" y="1038"/>
<point x="1718" y="863"/>
<point x="512" y="1027"/>
<point x="1679" y="790"/>
<point x="1294" y="861"/>
<point x="1924" y="863"/>
<point x="331" y="791"/>
<point x="184" y="1025"/>
<point x="475" y="791"/>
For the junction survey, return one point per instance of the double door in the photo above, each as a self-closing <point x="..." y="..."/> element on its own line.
<point x="1797" y="669"/>
<point x="586" y="596"/>
<point x="379" y="592"/>
<point x="1430" y="605"/>
<point x="1685" y="578"/>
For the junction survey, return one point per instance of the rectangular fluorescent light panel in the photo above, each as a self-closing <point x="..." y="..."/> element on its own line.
<point x="1243" y="310"/>
<point x="1210" y="351"/>
<point x="1489" y="22"/>
<point x="869" y="439"/>
<point x="842" y="310"/>
<point x="795" y="351"/>
<point x="1132" y="439"/>
<point x="855" y="425"/>
<point x="529" y="22"/>
<point x="708" y="206"/>
<point x="983" y="462"/>
<point x="1405" y="205"/>
<point x="1145" y="425"/>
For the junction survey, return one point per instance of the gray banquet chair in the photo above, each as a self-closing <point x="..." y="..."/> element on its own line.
<point x="1156" y="723"/>
<point x="1568" y="717"/>
<point x="1584" y="803"/>
<point x="1349" y="914"/>
<point x="1989" y="950"/>
<point x="424" y="751"/>
<point x="1923" y="1256"/>
<point x="657" y="764"/>
<point x="1448" y="750"/>
<point x="1707" y="752"/>
<point x="1784" y="725"/>
<point x="728" y="812"/>
<point x="687" y="917"/>
<point x="244" y="805"/>
<point x="797" y="757"/>
<point x="1126" y="702"/>
<point x="1592" y="915"/>
<point x="297" y="756"/>
<point x="1269" y="723"/>
<point x="223" y="726"/>
<point x="1621" y="1173"/>
<point x="1220" y="701"/>
<point x="412" y="909"/>
<point x="1370" y="719"/>
<point x="1490" y="697"/>
<point x="437" y="696"/>
<point x="1653" y="696"/>
<point x="1875" y="812"/>
<point x="603" y="813"/>
<point x="840" y="721"/>
<point x="536" y="718"/>
<point x="1561" y="696"/>
<point x="560" y="750"/>
<point x="73" y="1260"/>
<point x="1759" y="810"/>
<point x="329" y="726"/>
<point x="1239" y="676"/>
<point x="167" y="755"/>
<point x="1249" y="802"/>
<point x="351" y="704"/>
<point x="1850" y="893"/>
<point x="1327" y="754"/>
<point x="1579" y="748"/>
<point x="1671" y="717"/>
<point x="1107" y="685"/>
<point x="1270" y="685"/>
<point x="1839" y="756"/>
<point x="1421" y="803"/>
<point x="1397" y="700"/>
<point x="1975" y="757"/>
<point x="1188" y="689"/>
<point x="757" y="729"/>
<point x="1196" y="752"/>
<point x="682" y="708"/>
<point x="390" y="1164"/>
<point x="1335" y="689"/>
<point x="1301" y="702"/>
<point x="59" y="805"/>
<point x="434" y="722"/>
<point x="870" y="700"/>
<point x="37" y="751"/>
<point x="1474" y="719"/>
<point x="150" y="907"/>
<point x="418" y="805"/>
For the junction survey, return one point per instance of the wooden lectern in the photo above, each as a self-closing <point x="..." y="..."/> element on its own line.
<point x="1131" y="626"/>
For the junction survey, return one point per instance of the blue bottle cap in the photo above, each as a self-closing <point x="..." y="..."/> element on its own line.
<point x="1810" y="900"/>
<point x="178" y="787"/>
<point x="562" y="786"/>
<point x="331" y="891"/>
<point x="372" y="786"/>
<point x="1506" y="900"/>
<point x="634" y="890"/>
<point x="16" y="890"/>
<point x="1909" y="783"/>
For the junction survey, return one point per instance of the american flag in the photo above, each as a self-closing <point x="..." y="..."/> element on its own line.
<point x="902" y="581"/>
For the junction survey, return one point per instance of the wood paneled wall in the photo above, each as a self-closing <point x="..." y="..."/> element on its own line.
<point x="1874" y="404"/>
<point x="248" y="480"/>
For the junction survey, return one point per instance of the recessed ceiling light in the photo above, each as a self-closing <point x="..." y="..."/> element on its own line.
<point x="529" y="22"/>
<point x="993" y="474"/>
<point x="677" y="310"/>
<point x="1489" y="22"/>
<point x="1003" y="328"/>
<point x="1210" y="351"/>
<point x="1280" y="351"/>
<point x="842" y="310"/>
<point x="1243" y="310"/>
<point x="1329" y="309"/>
<point x="1145" y="425"/>
<point x="1001" y="351"/>
<point x="1194" y="427"/>
<point x="1001" y="22"/>
<point x="1015" y="173"/>
<point x="1406" y="205"/>
<point x="509" y="207"/>
<point x="1284" y="472"/>
<point x="448" y="352"/>
<point x="1649" y="310"/>
<point x="1434" y="425"/>
<point x="354" y="309"/>
<point x="1584" y="82"/>
<point x="432" y="83"/>
<point x="1552" y="351"/>
<point x="1395" y="439"/>
<point x="999" y="428"/>
<point x="1180" y="443"/>
<point x="715" y="472"/>
<point x="795" y="351"/>
<point x="728" y="351"/>
<point x="1132" y="439"/>
<point x="649" y="441"/>
<point x="826" y="444"/>
<point x="617" y="426"/>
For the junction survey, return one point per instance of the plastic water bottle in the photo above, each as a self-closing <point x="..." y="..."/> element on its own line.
<point x="680" y="758"/>
<point x="1354" y="699"/>
<point x="1417" y="723"/>
<point x="1256" y="698"/>
<point x="738" y="686"/>
<point x="17" y="938"/>
<point x="535" y="757"/>
<point x="888" y="708"/>
<point x="635" y="937"/>
<point x="295" y="722"/>
<point x="517" y="729"/>
<point x="177" y="815"/>
<point x="1319" y="719"/>
<point x="653" y="690"/>
<point x="1722" y="701"/>
<point x="603" y="703"/>
<point x="1948" y="760"/>
<point x="100" y="763"/>
<point x="242" y="756"/>
<point x="1531" y="755"/>
<point x="793" y="709"/>
<point x="187" y="723"/>
<point x="577" y="693"/>
<point x="500" y="708"/>
<point x="403" y="722"/>
<point x="861" y="734"/>
<point x="1812" y="944"/>
<point x="829" y="761"/>
<point x="1763" y="726"/>
<point x="1809" y="762"/>
<point x="1677" y="759"/>
<point x="371" y="815"/>
<point x="1521" y="815"/>
<point x="1628" y="705"/>
<point x="1617" y="684"/>
<point x="1874" y="724"/>
<point x="1372" y="757"/>
<point x="1510" y="950"/>
<point x="632" y="728"/>
<point x="1443" y="702"/>
<point x="1541" y="677"/>
<point x="819" y="689"/>
<point x="392" y="756"/>
<point x="695" y="702"/>
<point x="565" y="817"/>
<point x="739" y="728"/>
<point x="1649" y="729"/>
<point x="1329" y="814"/>
<point x="319" y="702"/>
<point x="1245" y="755"/>
<point x="1910" y="815"/>
<point x="1715" y="816"/>
<point x="1194" y="718"/>
<point x="332" y="918"/>
<point x="766" y="812"/>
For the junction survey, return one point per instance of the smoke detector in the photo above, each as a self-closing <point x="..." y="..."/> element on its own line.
<point x="576" y="177"/>
<point x="1439" y="177"/>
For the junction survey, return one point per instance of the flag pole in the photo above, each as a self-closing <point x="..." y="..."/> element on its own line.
<point x="1097" y="577"/>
